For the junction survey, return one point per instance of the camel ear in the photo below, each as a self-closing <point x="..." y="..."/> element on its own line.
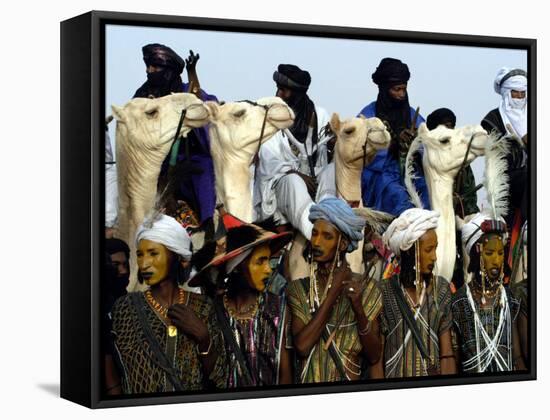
<point x="118" y="113"/>
<point x="423" y="130"/>
<point x="335" y="123"/>
<point x="213" y="109"/>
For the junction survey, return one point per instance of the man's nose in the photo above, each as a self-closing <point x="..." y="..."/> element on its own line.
<point x="145" y="263"/>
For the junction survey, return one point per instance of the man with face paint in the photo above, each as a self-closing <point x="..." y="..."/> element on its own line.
<point x="252" y="319"/>
<point x="194" y="171"/>
<point x="382" y="180"/>
<point x="416" y="316"/>
<point x="334" y="311"/>
<point x="484" y="310"/>
<point x="290" y="163"/>
<point x="183" y="347"/>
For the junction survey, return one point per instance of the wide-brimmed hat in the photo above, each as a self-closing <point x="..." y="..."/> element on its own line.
<point x="239" y="239"/>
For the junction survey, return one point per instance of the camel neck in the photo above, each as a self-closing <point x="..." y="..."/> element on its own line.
<point x="348" y="180"/>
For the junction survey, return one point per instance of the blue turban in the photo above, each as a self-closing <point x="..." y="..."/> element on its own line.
<point x="337" y="212"/>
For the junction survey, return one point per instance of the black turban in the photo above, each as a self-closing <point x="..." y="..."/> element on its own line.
<point x="391" y="71"/>
<point x="292" y="77"/>
<point x="163" y="56"/>
<point x="167" y="79"/>
<point x="440" y="116"/>
<point x="298" y="81"/>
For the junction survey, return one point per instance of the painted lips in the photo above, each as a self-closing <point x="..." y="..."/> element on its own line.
<point x="317" y="252"/>
<point x="146" y="275"/>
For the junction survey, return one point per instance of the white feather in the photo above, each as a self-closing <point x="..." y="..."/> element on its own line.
<point x="496" y="179"/>
<point x="377" y="220"/>
<point x="409" y="173"/>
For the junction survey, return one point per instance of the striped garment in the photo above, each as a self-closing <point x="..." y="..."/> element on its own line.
<point x="320" y="367"/>
<point x="404" y="359"/>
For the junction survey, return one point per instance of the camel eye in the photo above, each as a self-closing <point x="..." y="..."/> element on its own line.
<point x="349" y="131"/>
<point x="152" y="113"/>
<point x="445" y="140"/>
<point x="240" y="113"/>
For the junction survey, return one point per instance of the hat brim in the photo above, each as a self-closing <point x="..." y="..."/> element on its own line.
<point x="276" y="242"/>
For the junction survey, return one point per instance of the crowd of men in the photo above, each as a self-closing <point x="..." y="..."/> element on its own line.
<point x="250" y="325"/>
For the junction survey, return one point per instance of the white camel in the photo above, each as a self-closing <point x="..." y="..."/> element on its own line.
<point x="144" y="134"/>
<point x="444" y="152"/>
<point x="237" y="129"/>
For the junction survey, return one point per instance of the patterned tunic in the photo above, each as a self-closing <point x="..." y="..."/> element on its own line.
<point x="405" y="360"/>
<point x="259" y="339"/>
<point x="320" y="367"/>
<point x="140" y="373"/>
<point x="489" y="317"/>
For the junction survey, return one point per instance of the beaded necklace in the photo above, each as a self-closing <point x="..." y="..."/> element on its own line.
<point x="162" y="311"/>
<point x="248" y="313"/>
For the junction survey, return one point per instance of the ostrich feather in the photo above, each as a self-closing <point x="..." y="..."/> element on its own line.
<point x="158" y="208"/>
<point x="377" y="220"/>
<point x="409" y="173"/>
<point x="496" y="180"/>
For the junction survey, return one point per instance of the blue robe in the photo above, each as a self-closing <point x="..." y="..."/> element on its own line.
<point x="203" y="187"/>
<point x="382" y="187"/>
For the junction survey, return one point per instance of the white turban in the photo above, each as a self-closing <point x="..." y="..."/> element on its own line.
<point x="471" y="231"/>
<point x="168" y="232"/>
<point x="513" y="111"/>
<point x="404" y="231"/>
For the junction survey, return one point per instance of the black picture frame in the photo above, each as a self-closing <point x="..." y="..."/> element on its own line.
<point x="82" y="199"/>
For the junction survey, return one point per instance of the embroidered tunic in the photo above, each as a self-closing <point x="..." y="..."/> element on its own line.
<point x="465" y="325"/>
<point x="139" y="371"/>
<point x="260" y="341"/>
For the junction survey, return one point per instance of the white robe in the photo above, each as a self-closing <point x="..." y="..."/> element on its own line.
<point x="111" y="187"/>
<point x="285" y="196"/>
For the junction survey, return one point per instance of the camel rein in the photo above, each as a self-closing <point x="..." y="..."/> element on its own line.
<point x="177" y="139"/>
<point x="256" y="157"/>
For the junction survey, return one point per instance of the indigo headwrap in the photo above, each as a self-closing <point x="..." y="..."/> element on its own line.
<point x="337" y="212"/>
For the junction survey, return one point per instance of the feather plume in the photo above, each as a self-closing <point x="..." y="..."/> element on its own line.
<point x="158" y="208"/>
<point x="496" y="178"/>
<point x="409" y="173"/>
<point x="377" y="220"/>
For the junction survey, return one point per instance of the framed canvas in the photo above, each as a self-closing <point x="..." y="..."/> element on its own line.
<point x="193" y="148"/>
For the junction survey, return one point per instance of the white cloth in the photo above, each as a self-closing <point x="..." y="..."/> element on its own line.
<point x="111" y="187"/>
<point x="276" y="159"/>
<point x="326" y="182"/>
<point x="471" y="231"/>
<point x="513" y="111"/>
<point x="404" y="231"/>
<point x="293" y="203"/>
<point x="168" y="232"/>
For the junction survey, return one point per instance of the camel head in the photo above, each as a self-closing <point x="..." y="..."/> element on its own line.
<point x="236" y="126"/>
<point x="355" y="133"/>
<point x="445" y="148"/>
<point x="151" y="124"/>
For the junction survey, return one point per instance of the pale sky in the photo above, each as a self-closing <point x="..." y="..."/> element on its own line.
<point x="235" y="66"/>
